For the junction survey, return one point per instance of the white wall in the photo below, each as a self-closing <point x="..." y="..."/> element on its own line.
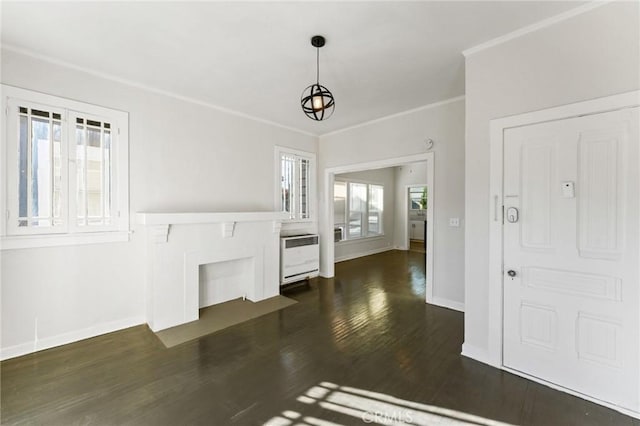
<point x="183" y="156"/>
<point x="591" y="55"/>
<point x="355" y="248"/>
<point x="405" y="135"/>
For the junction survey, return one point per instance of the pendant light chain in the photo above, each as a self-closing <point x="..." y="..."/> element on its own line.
<point x="317" y="65"/>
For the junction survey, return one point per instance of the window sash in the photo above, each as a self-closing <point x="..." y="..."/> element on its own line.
<point x="339" y="204"/>
<point x="82" y="216"/>
<point x="295" y="181"/>
<point x="357" y="210"/>
<point x="288" y="187"/>
<point x="375" y="210"/>
<point x="303" y="182"/>
<point x="23" y="172"/>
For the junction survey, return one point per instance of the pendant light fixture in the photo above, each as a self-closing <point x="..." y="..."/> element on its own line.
<point x="317" y="101"/>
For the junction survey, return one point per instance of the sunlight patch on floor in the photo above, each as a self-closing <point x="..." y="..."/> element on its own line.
<point x="373" y="408"/>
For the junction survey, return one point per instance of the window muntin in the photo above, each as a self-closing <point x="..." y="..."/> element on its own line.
<point x="296" y="185"/>
<point x="363" y="205"/>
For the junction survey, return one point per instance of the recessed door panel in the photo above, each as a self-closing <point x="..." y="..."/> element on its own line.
<point x="538" y="325"/>
<point x="598" y="341"/>
<point x="572" y="282"/>
<point x="537" y="173"/>
<point x="600" y="207"/>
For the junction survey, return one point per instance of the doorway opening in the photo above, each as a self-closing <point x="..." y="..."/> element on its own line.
<point x="421" y="166"/>
<point x="417" y="200"/>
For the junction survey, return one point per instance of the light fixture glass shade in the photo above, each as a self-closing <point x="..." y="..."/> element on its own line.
<point x="317" y="102"/>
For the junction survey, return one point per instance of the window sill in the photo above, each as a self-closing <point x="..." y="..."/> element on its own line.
<point x="16" y="242"/>
<point x="360" y="240"/>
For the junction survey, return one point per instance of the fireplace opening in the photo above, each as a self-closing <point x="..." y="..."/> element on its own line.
<point x="224" y="281"/>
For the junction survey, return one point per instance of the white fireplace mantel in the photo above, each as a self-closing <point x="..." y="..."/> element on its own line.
<point x="180" y="244"/>
<point x="160" y="223"/>
<point x="181" y="218"/>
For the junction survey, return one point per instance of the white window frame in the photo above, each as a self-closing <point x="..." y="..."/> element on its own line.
<point x="365" y="224"/>
<point x="311" y="188"/>
<point x="411" y="201"/>
<point x="13" y="237"/>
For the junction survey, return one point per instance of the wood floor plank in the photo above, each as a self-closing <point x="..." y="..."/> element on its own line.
<point x="367" y="332"/>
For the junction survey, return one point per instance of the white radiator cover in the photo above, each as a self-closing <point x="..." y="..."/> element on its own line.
<point x="299" y="258"/>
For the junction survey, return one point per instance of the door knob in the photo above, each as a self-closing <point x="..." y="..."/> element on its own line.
<point x="511" y="273"/>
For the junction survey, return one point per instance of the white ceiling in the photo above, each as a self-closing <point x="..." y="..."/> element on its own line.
<point x="255" y="58"/>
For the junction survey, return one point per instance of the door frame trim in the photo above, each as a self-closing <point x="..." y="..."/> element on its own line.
<point x="496" y="255"/>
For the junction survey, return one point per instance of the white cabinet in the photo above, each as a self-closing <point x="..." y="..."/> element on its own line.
<point x="416" y="230"/>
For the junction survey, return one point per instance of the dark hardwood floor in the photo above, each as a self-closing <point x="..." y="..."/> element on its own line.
<point x="362" y="346"/>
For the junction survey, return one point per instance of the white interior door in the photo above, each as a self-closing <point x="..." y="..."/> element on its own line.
<point x="571" y="242"/>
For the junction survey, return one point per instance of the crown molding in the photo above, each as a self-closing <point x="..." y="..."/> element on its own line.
<point x="399" y="114"/>
<point x="535" y="27"/>
<point x="142" y="86"/>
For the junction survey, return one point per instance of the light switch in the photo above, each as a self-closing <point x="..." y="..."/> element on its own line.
<point x="454" y="221"/>
<point x="568" y="190"/>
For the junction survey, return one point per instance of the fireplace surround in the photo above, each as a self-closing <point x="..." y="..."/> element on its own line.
<point x="180" y="245"/>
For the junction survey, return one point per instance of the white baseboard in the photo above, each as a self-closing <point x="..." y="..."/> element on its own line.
<point x="476" y="353"/>
<point x="70" y="337"/>
<point x="446" y="303"/>
<point x="362" y="254"/>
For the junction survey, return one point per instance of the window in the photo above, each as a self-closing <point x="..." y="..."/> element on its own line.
<point x="339" y="209"/>
<point x="375" y="205"/>
<point x="362" y="204"/>
<point x="66" y="167"/>
<point x="295" y="183"/>
<point x="418" y="198"/>
<point x="357" y="210"/>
